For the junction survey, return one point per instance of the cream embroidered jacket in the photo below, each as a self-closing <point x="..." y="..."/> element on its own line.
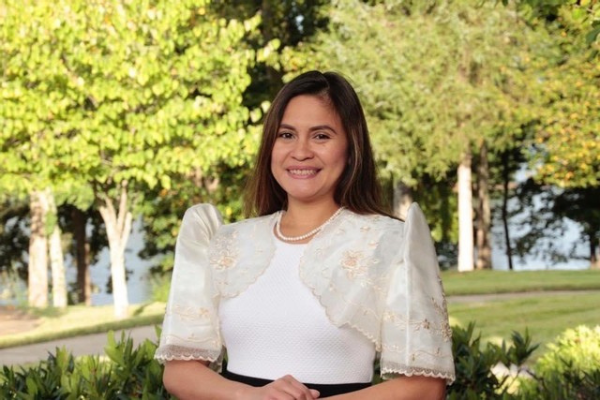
<point x="375" y="274"/>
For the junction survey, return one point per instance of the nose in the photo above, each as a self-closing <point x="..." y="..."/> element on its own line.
<point x="302" y="150"/>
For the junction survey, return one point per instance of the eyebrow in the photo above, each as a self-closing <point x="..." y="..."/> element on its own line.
<point x="312" y="128"/>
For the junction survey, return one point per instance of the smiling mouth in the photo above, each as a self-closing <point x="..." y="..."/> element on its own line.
<point x="303" y="172"/>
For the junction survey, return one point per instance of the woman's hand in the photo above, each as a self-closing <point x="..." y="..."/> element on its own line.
<point x="285" y="388"/>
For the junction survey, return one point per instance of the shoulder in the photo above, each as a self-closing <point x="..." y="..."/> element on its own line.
<point x="382" y="225"/>
<point x="202" y="211"/>
<point x="247" y="225"/>
<point x="414" y="216"/>
<point x="200" y="222"/>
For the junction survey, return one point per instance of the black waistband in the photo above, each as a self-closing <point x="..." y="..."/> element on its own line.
<point x="324" y="390"/>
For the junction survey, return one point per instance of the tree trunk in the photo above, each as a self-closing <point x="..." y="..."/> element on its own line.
<point x="402" y="199"/>
<point x="594" y="262"/>
<point x="82" y="257"/>
<point x="465" y="215"/>
<point x="118" y="226"/>
<point x="37" y="284"/>
<point x="484" y="223"/>
<point x="57" y="261"/>
<point x="505" y="183"/>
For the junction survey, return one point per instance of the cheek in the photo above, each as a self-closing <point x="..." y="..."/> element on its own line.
<point x="343" y="157"/>
<point x="277" y="159"/>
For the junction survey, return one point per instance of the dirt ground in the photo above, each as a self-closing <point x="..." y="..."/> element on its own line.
<point x="13" y="320"/>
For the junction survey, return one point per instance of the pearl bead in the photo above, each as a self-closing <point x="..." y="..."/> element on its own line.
<point x="306" y="235"/>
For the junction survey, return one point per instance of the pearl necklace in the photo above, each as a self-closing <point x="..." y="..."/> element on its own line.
<point x="306" y="235"/>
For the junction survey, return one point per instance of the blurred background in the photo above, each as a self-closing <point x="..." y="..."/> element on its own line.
<point x="116" y="116"/>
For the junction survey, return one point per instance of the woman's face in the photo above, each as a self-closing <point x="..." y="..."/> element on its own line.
<point x="310" y="151"/>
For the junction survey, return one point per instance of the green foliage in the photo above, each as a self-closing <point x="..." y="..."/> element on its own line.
<point x="568" y="92"/>
<point x="563" y="373"/>
<point x="112" y="92"/>
<point x="575" y="349"/>
<point x="570" y="369"/>
<point x="161" y="285"/>
<point x="437" y="79"/>
<point x="110" y="100"/>
<point x="284" y="25"/>
<point x="127" y="91"/>
<point x="563" y="385"/>
<point x="455" y="74"/>
<point x="474" y="376"/>
<point x="128" y="373"/>
<point x="163" y="209"/>
<point x="585" y="12"/>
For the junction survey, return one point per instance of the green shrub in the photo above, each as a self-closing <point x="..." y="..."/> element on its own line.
<point x="579" y="347"/>
<point x="126" y="373"/>
<point x="570" y="369"/>
<point x="160" y="287"/>
<point x="475" y="378"/>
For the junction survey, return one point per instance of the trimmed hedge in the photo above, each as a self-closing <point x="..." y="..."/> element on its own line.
<point x="126" y="372"/>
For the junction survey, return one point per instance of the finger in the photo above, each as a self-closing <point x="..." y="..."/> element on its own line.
<point x="315" y="393"/>
<point x="272" y="392"/>
<point x="298" y="389"/>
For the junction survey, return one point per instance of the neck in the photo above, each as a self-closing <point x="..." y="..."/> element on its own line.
<point x="301" y="222"/>
<point x="308" y="215"/>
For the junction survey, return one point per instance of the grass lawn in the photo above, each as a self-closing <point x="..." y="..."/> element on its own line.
<point x="486" y="282"/>
<point x="545" y="316"/>
<point x="80" y="320"/>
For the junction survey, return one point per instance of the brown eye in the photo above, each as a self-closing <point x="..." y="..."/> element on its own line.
<point x="285" y="135"/>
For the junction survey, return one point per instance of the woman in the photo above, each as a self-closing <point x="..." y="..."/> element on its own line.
<point x="307" y="295"/>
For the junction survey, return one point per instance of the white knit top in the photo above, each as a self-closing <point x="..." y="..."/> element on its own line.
<point x="278" y="327"/>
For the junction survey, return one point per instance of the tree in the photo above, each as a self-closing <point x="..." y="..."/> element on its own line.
<point x="283" y="25"/>
<point x="570" y="95"/>
<point x="439" y="80"/>
<point x="581" y="206"/>
<point x="585" y="12"/>
<point x="138" y="93"/>
<point x="30" y="142"/>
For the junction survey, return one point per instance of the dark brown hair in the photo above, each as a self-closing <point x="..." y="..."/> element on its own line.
<point x="358" y="189"/>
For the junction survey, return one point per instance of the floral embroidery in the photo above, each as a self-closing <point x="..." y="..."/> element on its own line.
<point x="190" y="313"/>
<point x="352" y="262"/>
<point x="395" y="319"/>
<point x="425" y="324"/>
<point x="224" y="254"/>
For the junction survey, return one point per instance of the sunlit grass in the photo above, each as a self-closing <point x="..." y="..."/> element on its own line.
<point x="545" y="316"/>
<point x="484" y="282"/>
<point x="80" y="320"/>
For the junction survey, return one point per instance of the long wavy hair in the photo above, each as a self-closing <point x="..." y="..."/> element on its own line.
<point x="358" y="188"/>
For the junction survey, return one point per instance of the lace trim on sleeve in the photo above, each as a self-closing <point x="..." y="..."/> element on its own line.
<point x="170" y="353"/>
<point x="392" y="369"/>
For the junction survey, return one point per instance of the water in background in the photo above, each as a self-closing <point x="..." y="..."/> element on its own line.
<point x="139" y="285"/>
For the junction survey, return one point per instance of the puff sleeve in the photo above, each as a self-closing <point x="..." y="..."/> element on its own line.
<point x="416" y="338"/>
<point x="191" y="327"/>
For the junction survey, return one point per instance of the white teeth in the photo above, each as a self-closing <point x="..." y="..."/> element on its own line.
<point x="303" y="172"/>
